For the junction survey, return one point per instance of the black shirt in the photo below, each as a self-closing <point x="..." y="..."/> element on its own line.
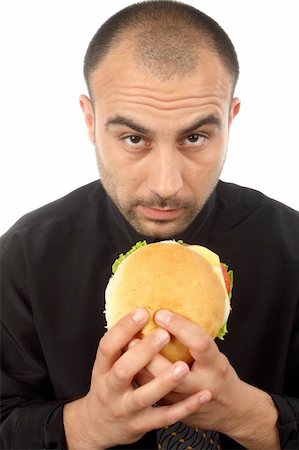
<point x="56" y="262"/>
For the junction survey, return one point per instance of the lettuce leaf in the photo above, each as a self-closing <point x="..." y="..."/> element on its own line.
<point x="123" y="256"/>
<point x="231" y="279"/>
<point x="222" y="332"/>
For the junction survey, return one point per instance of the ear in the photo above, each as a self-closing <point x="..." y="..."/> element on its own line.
<point x="234" y="109"/>
<point x="87" y="108"/>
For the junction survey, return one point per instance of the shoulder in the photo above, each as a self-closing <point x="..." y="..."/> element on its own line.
<point x="235" y="197"/>
<point x="70" y="209"/>
<point x="251" y="219"/>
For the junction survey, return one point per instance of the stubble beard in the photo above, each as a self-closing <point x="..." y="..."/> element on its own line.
<point x="155" y="229"/>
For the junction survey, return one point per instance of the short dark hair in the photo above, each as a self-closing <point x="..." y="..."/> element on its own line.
<point x="169" y="35"/>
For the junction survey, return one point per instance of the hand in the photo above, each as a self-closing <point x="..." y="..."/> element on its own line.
<point x="232" y="407"/>
<point x="210" y="371"/>
<point x="114" y="412"/>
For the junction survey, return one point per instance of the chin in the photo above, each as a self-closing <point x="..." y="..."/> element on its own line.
<point x="159" y="229"/>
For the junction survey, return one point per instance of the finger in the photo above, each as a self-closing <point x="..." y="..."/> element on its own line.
<point x="152" y="392"/>
<point x="153" y="369"/>
<point x="135" y="358"/>
<point x="133" y="342"/>
<point x="115" y="339"/>
<point x="199" y="343"/>
<point x="171" y="398"/>
<point x="164" y="416"/>
<point x="187" y="386"/>
<point x="181" y="410"/>
<point x="157" y="365"/>
<point x="143" y="377"/>
<point x="174" y="397"/>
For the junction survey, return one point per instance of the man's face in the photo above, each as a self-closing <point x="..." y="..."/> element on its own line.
<point x="160" y="145"/>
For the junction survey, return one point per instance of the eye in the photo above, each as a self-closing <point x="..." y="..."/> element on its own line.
<point x="194" y="138"/>
<point x="134" y="141"/>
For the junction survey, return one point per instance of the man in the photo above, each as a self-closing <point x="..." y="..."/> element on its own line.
<point x="161" y="78"/>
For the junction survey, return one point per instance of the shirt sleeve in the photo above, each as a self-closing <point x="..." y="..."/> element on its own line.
<point x="31" y="417"/>
<point x="34" y="425"/>
<point x="288" y="404"/>
<point x="288" y="421"/>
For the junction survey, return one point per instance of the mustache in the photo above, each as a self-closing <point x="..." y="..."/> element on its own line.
<point x="164" y="203"/>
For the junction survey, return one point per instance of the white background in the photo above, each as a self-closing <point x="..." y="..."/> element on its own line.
<point x="44" y="148"/>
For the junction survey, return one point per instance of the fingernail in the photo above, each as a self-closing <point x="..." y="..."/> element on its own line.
<point x="179" y="371"/>
<point x="162" y="336"/>
<point x="204" y="397"/>
<point x="139" y="315"/>
<point x="163" y="316"/>
<point x="132" y="343"/>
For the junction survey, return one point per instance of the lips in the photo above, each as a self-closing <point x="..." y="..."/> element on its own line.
<point x="160" y="214"/>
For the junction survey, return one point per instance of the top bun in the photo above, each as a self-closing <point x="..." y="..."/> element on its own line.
<point x="168" y="275"/>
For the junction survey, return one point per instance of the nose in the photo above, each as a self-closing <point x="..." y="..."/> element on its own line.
<point x="165" y="174"/>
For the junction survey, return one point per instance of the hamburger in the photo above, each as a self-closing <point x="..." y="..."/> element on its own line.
<point x="186" y="279"/>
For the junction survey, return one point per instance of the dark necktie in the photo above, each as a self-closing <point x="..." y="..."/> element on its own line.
<point x="182" y="437"/>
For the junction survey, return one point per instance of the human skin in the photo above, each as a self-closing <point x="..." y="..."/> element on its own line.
<point x="237" y="409"/>
<point x="208" y="395"/>
<point x="114" y="411"/>
<point x="160" y="148"/>
<point x="156" y="161"/>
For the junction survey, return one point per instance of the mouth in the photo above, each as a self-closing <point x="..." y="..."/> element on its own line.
<point x="161" y="214"/>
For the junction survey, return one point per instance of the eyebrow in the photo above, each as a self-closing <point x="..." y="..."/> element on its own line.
<point x="123" y="121"/>
<point x="211" y="119"/>
<point x="119" y="120"/>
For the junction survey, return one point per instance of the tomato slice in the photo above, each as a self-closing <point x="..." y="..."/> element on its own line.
<point x="226" y="278"/>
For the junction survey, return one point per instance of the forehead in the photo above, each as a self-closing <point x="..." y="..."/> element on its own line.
<point x="120" y="82"/>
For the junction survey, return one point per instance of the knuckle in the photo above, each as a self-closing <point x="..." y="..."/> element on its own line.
<point x="102" y="397"/>
<point x="202" y="345"/>
<point x="119" y="372"/>
<point x="116" y="413"/>
<point x="104" y="346"/>
<point x="94" y="376"/>
<point x="223" y="367"/>
<point x="205" y="343"/>
<point x="139" y="400"/>
<point x="168" y="418"/>
<point x="135" y="428"/>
